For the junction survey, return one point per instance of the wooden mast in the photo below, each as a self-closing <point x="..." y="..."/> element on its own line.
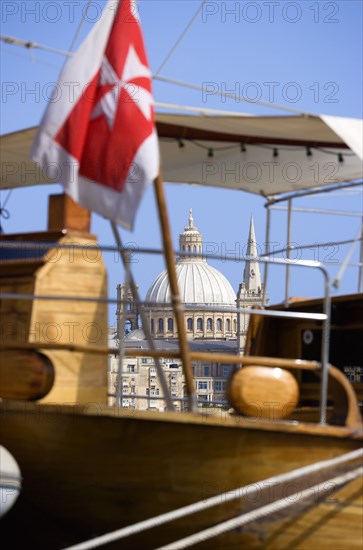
<point x="175" y="298"/>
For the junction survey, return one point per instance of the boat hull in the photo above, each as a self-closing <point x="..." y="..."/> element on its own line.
<point x="88" y="470"/>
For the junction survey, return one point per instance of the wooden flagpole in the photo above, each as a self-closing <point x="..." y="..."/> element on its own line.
<point x="175" y="298"/>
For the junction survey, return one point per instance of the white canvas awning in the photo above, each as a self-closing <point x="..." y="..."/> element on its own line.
<point x="262" y="155"/>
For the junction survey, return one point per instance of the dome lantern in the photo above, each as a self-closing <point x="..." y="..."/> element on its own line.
<point x="190" y="241"/>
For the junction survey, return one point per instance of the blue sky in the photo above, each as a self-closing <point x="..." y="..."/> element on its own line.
<point x="310" y="51"/>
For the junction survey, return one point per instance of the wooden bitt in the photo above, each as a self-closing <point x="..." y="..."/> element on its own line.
<point x="25" y="375"/>
<point x="59" y="326"/>
<point x="64" y="213"/>
<point x="263" y="392"/>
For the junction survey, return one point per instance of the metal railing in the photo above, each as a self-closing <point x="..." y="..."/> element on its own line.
<point x="324" y="317"/>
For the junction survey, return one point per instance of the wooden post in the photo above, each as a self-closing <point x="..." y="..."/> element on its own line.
<point x="175" y="298"/>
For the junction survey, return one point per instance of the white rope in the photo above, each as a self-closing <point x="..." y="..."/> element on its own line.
<point x="221" y="528"/>
<point x="231" y="95"/>
<point x="200" y="110"/>
<point x="213" y="501"/>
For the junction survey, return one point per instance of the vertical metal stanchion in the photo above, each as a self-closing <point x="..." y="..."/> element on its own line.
<point x="267" y="244"/>
<point x="288" y="248"/>
<point x="360" y="274"/>
<point x="325" y="344"/>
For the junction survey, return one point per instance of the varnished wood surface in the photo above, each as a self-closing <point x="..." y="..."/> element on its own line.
<point x="64" y="213"/>
<point x="25" y="374"/>
<point x="88" y="470"/>
<point x="268" y="392"/>
<point x="81" y="376"/>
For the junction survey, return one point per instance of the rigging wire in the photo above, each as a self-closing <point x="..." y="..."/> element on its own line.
<point x="168" y="80"/>
<point x="174" y="47"/>
<point x="84" y="13"/>
<point x="33" y="61"/>
<point x="7" y="199"/>
<point x="32" y="45"/>
<point x="4" y="213"/>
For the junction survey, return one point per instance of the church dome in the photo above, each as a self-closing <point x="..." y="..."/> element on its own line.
<point x="198" y="282"/>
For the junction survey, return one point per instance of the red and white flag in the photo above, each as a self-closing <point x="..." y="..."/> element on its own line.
<point x="98" y="135"/>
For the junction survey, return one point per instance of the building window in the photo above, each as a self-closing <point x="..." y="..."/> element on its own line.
<point x="170" y="324"/>
<point x="219" y="324"/>
<point x="161" y="325"/>
<point x="188" y="248"/>
<point x="202" y="385"/>
<point x="228" y="325"/>
<point x="200" y="324"/>
<point x="209" y="323"/>
<point x="194" y="249"/>
<point x="225" y="371"/>
<point x="202" y="397"/>
<point x="206" y="371"/>
<point x="130" y="368"/>
<point x="218" y="386"/>
<point x="152" y="326"/>
<point x="190" y="323"/>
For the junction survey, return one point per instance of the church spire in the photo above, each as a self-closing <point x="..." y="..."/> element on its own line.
<point x="251" y="274"/>
<point x="250" y="292"/>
